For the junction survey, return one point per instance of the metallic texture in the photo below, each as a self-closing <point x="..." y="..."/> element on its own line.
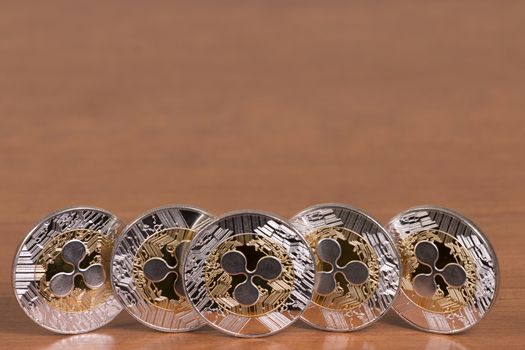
<point x="235" y="263"/>
<point x="450" y="271"/>
<point x="425" y="284"/>
<point x="357" y="267"/>
<point x="60" y="271"/>
<point x="147" y="267"/>
<point x="329" y="251"/>
<point x="73" y="253"/>
<point x="249" y="274"/>
<point x="157" y="269"/>
<point x="235" y="288"/>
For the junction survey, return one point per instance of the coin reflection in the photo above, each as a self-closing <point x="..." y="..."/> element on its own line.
<point x="221" y="342"/>
<point x="443" y="342"/>
<point x="345" y="341"/>
<point x="84" y="342"/>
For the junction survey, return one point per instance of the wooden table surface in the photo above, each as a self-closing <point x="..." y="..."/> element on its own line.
<point x="274" y="105"/>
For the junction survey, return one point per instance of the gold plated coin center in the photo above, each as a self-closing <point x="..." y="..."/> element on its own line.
<point x="439" y="275"/>
<point x="249" y="275"/>
<point x="72" y="270"/>
<point x="157" y="268"/>
<point x="347" y="268"/>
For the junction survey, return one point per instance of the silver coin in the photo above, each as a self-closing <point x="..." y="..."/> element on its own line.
<point x="249" y="274"/>
<point x="61" y="271"/>
<point x="147" y="264"/>
<point x="450" y="271"/>
<point x="357" y="267"/>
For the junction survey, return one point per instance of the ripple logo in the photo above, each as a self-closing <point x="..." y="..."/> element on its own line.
<point x="157" y="269"/>
<point x="425" y="283"/>
<point x="246" y="293"/>
<point x="73" y="253"/>
<point x="329" y="251"/>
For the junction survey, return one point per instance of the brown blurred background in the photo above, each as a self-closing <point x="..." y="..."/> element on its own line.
<point x="274" y="105"/>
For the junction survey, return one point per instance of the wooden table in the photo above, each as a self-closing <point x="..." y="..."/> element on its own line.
<point x="274" y="105"/>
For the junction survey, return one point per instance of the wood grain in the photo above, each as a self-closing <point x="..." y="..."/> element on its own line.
<point x="274" y="105"/>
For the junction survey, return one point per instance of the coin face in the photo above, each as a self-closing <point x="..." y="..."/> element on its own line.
<point x="61" y="271"/>
<point x="249" y="274"/>
<point x="450" y="271"/>
<point x="147" y="267"/>
<point x="357" y="267"/>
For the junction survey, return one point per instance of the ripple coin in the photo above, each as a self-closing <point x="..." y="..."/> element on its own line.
<point x="249" y="274"/>
<point x="450" y="271"/>
<point x="61" y="271"/>
<point x="147" y="267"/>
<point x="357" y="266"/>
